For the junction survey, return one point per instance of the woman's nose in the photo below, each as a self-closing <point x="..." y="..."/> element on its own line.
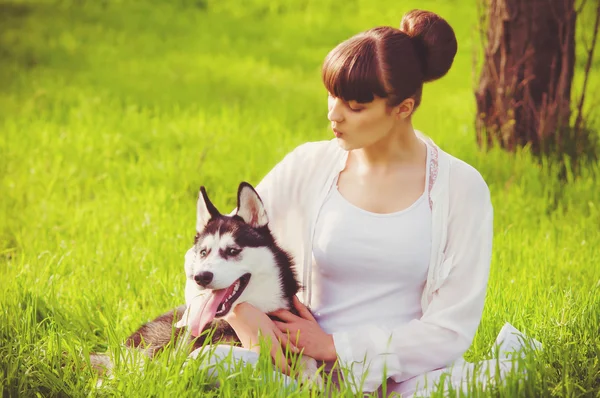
<point x="334" y="113"/>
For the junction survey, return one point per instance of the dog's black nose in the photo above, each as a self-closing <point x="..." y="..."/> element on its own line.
<point x="204" y="278"/>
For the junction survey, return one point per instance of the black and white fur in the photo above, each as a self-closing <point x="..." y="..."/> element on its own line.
<point x="229" y="249"/>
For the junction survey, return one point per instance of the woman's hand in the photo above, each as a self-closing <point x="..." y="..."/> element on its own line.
<point x="305" y="333"/>
<point x="249" y="323"/>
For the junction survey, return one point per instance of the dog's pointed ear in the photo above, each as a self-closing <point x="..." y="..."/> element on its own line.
<point x="205" y="210"/>
<point x="250" y="207"/>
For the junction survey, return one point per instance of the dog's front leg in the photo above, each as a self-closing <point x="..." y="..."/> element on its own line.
<point x="309" y="372"/>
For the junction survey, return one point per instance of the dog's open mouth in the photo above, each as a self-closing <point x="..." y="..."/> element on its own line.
<point x="232" y="293"/>
<point x="213" y="304"/>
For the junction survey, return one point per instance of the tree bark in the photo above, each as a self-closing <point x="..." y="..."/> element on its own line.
<point x="524" y="88"/>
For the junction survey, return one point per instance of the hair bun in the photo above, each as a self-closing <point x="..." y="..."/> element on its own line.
<point x="434" y="40"/>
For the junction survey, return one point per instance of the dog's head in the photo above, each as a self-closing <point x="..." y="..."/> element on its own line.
<point x="234" y="259"/>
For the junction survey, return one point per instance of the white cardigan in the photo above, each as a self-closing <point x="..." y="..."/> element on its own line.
<point x="453" y="298"/>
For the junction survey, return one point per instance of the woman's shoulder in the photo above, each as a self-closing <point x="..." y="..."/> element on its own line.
<point x="317" y="154"/>
<point x="465" y="188"/>
<point x="468" y="189"/>
<point x="465" y="173"/>
<point x="314" y="149"/>
<point x="457" y="175"/>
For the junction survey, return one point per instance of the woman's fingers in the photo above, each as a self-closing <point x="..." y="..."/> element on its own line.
<point x="278" y="355"/>
<point x="251" y="325"/>
<point x="287" y="316"/>
<point x="284" y="339"/>
<point x="279" y="359"/>
<point x="282" y="326"/>
<point x="303" y="310"/>
<point x="290" y="335"/>
<point x="284" y="315"/>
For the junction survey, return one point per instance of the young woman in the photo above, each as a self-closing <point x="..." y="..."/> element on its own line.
<point x="392" y="236"/>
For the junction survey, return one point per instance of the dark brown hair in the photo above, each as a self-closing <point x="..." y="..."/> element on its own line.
<point x="391" y="63"/>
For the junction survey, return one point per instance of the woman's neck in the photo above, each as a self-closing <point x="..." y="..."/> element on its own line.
<point x="398" y="148"/>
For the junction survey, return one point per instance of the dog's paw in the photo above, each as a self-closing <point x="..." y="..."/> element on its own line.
<point x="312" y="380"/>
<point x="309" y="373"/>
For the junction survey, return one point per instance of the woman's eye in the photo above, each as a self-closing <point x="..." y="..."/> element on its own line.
<point x="354" y="107"/>
<point x="233" y="252"/>
<point x="203" y="253"/>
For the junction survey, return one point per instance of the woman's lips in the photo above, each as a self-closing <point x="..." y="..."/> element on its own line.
<point x="337" y="133"/>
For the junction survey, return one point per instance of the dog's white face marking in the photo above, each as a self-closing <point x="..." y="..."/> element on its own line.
<point x="264" y="291"/>
<point x="220" y="255"/>
<point x="216" y="245"/>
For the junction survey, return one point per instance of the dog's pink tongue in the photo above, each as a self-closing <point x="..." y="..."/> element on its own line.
<point x="207" y="312"/>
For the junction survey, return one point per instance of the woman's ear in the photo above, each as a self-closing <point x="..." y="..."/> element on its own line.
<point x="405" y="109"/>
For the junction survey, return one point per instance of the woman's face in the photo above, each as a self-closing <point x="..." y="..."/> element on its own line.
<point x="359" y="125"/>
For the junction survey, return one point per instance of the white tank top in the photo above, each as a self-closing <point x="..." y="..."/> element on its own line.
<point x="369" y="268"/>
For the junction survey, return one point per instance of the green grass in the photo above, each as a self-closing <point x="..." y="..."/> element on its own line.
<point x="113" y="113"/>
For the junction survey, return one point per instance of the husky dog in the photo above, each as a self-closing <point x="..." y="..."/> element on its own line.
<point x="235" y="259"/>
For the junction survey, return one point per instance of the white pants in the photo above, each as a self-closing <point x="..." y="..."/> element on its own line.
<point x="510" y="345"/>
<point x="457" y="376"/>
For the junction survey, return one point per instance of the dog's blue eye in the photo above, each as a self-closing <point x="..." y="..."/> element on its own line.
<point x="203" y="253"/>
<point x="233" y="252"/>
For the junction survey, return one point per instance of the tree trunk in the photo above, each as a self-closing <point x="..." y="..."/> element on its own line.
<point x="525" y="86"/>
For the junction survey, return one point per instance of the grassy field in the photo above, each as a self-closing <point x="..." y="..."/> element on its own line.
<point x="113" y="113"/>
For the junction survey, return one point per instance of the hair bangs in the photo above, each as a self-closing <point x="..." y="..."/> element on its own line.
<point x="351" y="71"/>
